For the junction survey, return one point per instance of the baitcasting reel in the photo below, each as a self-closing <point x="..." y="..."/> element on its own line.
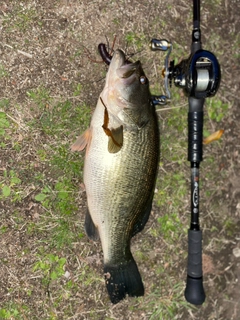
<point x="199" y="75"/>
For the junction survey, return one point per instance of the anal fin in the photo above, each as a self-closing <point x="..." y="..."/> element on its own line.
<point x="143" y="219"/>
<point x="90" y="228"/>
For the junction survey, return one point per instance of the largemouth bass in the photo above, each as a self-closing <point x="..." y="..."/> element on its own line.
<point x="120" y="169"/>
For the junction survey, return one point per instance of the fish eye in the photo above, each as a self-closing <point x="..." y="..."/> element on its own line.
<point x="143" y="80"/>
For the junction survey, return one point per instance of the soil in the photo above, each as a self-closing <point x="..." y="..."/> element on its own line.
<point x="54" y="44"/>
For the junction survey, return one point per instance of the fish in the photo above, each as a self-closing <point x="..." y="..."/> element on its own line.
<point x="120" y="170"/>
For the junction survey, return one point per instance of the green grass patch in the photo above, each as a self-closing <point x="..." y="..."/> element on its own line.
<point x="216" y="109"/>
<point x="51" y="266"/>
<point x="3" y="71"/>
<point x="172" y="184"/>
<point x="40" y="96"/>
<point x="20" y="18"/>
<point x="58" y="190"/>
<point x="59" y="118"/>
<point x="165" y="304"/>
<point x="135" y="39"/>
<point x="4" y="124"/>
<point x="10" y="186"/>
<point x="170" y="226"/>
<point x="13" y="311"/>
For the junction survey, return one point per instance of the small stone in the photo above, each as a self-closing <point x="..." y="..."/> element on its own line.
<point x="67" y="274"/>
<point x="236" y="252"/>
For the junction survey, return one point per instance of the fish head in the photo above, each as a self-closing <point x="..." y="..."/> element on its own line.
<point x="127" y="87"/>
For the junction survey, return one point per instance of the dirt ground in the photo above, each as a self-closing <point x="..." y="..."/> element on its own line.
<point x="48" y="77"/>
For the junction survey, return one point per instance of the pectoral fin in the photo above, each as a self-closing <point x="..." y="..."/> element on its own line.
<point x="115" y="139"/>
<point x="115" y="135"/>
<point x="82" y="141"/>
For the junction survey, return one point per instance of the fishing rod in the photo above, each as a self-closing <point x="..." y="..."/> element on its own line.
<point x="199" y="76"/>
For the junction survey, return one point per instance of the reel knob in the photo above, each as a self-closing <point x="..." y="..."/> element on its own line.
<point x="160" y="100"/>
<point x="161" y="45"/>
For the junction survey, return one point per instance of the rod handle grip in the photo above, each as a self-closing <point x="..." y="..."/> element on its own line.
<point x="194" y="292"/>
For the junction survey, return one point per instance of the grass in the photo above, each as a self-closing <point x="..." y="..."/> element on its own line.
<point x="21" y="19"/>
<point x="10" y="185"/>
<point x="4" y="124"/>
<point x="3" y="71"/>
<point x="55" y="191"/>
<point x="13" y="311"/>
<point x="40" y="185"/>
<point x="52" y="267"/>
<point x="168" y="302"/>
<point x="135" y="40"/>
<point x="216" y="109"/>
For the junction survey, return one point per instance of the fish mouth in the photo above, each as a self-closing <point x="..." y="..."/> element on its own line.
<point x="125" y="69"/>
<point x="128" y="69"/>
<point x="119" y="59"/>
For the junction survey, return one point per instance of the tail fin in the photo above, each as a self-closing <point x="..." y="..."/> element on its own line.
<point x="123" y="279"/>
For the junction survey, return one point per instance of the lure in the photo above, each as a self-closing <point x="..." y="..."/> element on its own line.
<point x="213" y="137"/>
<point x="105" y="55"/>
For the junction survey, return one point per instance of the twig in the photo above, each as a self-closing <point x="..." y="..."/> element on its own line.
<point x="170" y="108"/>
<point x="64" y="98"/>
<point x="28" y="55"/>
<point x="14" y="121"/>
